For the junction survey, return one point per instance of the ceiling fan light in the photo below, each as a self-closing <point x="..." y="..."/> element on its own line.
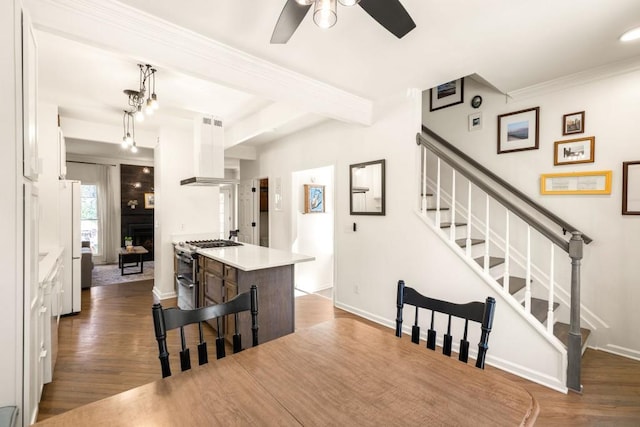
<point x="631" y="35"/>
<point x="325" y="13"/>
<point x="349" y="2"/>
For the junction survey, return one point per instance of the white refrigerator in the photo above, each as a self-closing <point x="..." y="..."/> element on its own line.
<point x="70" y="240"/>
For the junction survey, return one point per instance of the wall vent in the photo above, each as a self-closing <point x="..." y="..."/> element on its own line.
<point x="206" y="120"/>
<point x="217" y="123"/>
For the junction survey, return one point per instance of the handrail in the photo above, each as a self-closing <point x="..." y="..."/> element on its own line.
<point x="544" y="230"/>
<point x="553" y="217"/>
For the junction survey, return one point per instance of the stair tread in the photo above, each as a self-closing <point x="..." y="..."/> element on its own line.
<point x="448" y="224"/>
<point x="463" y="242"/>
<point x="493" y="261"/>
<point x="539" y="308"/>
<point x="515" y="283"/>
<point x="561" y="331"/>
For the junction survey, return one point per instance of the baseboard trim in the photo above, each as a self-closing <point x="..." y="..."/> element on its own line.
<point x="504" y="365"/>
<point x="162" y="296"/>
<point x="620" y="351"/>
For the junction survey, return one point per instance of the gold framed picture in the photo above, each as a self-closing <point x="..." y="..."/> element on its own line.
<point x="591" y="182"/>
<point x="149" y="201"/>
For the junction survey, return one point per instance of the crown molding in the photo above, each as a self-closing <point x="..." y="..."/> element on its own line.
<point x="120" y="28"/>
<point x="577" y="79"/>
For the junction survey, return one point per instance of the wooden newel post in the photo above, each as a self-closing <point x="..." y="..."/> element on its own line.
<point x="574" y="350"/>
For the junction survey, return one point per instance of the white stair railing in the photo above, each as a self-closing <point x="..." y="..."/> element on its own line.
<point x="500" y="236"/>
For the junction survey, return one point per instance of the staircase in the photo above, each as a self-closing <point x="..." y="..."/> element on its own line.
<point x="516" y="244"/>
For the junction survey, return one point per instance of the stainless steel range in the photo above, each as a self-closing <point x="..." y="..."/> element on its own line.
<point x="186" y="269"/>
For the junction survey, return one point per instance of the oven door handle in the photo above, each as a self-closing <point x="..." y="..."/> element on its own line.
<point x="181" y="281"/>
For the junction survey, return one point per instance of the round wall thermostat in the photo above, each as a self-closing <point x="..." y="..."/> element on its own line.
<point x="476" y="101"/>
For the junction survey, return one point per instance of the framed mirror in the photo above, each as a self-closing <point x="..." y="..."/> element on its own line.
<point x="366" y="187"/>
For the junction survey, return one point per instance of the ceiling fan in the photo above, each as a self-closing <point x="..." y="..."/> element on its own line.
<point x="389" y="13"/>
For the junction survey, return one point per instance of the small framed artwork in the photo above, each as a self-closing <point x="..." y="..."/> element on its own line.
<point x="447" y="94"/>
<point x="573" y="123"/>
<point x="313" y="198"/>
<point x="571" y="151"/>
<point x="149" y="201"/>
<point x="518" y="131"/>
<point x="592" y="182"/>
<point x="475" y="121"/>
<point x="631" y="188"/>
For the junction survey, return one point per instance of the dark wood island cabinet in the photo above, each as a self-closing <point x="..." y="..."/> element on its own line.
<point x="226" y="272"/>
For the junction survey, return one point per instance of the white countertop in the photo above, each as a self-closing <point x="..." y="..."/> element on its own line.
<point x="251" y="257"/>
<point x="47" y="260"/>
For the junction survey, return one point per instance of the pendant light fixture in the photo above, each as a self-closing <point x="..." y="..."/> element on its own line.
<point x="137" y="101"/>
<point x="138" y="105"/>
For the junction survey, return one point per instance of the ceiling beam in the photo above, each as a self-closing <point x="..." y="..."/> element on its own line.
<point x="133" y="33"/>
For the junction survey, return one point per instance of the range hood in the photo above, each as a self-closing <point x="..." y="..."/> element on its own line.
<point x="201" y="180"/>
<point x="208" y="153"/>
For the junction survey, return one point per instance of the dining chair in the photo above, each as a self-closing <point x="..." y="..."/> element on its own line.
<point x="480" y="312"/>
<point x="166" y="319"/>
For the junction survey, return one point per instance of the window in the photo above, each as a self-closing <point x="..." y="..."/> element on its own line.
<point x="89" y="216"/>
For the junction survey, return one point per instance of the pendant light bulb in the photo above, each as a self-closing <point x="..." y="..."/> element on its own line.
<point x="325" y="13"/>
<point x="134" y="149"/>
<point x="128" y="139"/>
<point x="154" y="101"/>
<point x="124" y="144"/>
<point x="305" y="2"/>
<point x="149" y="107"/>
<point x="349" y="2"/>
<point x="139" y="114"/>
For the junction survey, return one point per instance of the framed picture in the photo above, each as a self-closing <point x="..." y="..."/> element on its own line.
<point x="313" y="198"/>
<point x="447" y="94"/>
<point x="518" y="131"/>
<point x="571" y="151"/>
<point x="475" y="121"/>
<point x="573" y="123"/>
<point x="593" y="182"/>
<point x="631" y="188"/>
<point x="149" y="201"/>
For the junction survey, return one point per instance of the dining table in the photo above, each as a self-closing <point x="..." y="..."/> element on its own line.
<point x="341" y="372"/>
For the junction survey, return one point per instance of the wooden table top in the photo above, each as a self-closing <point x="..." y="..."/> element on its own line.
<point x="134" y="250"/>
<point x="340" y="372"/>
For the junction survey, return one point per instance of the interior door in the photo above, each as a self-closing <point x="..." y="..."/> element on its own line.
<point x="247" y="207"/>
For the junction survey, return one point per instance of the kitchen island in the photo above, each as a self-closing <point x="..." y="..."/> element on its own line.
<point x="227" y="271"/>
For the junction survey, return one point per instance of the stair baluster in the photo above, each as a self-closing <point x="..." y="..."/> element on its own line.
<point x="507" y="245"/>
<point x="468" y="245"/>
<point x="550" y="320"/>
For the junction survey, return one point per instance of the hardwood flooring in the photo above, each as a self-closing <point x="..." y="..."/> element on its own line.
<point x="109" y="348"/>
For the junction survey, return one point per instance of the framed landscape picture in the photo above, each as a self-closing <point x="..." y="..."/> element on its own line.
<point x="631" y="188"/>
<point x="572" y="151"/>
<point x="447" y="94"/>
<point x="573" y="123"/>
<point x="518" y="131"/>
<point x="313" y="198"/>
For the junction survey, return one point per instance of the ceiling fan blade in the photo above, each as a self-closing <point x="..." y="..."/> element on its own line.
<point x="289" y="20"/>
<point x="390" y="14"/>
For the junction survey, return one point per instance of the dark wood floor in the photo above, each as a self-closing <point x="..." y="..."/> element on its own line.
<point x="109" y="348"/>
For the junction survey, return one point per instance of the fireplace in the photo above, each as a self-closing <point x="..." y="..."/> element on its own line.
<point x="142" y="235"/>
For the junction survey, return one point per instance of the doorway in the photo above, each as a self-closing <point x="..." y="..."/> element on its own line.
<point x="263" y="223"/>
<point x="313" y="232"/>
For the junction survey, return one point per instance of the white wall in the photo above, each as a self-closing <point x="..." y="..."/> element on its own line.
<point x="179" y="209"/>
<point x="384" y="249"/>
<point x="313" y="233"/>
<point x="609" y="268"/>
<point x="48" y="179"/>
<point x="11" y="281"/>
